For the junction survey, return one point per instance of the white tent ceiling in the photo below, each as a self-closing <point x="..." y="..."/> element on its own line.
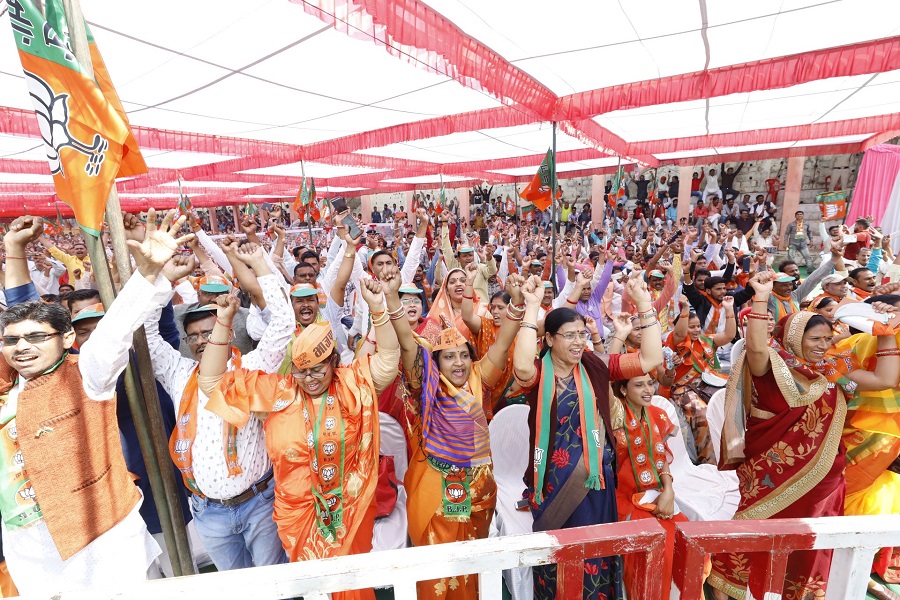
<point x="233" y="94"/>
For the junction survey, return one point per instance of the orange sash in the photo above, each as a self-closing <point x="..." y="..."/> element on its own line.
<point x="299" y="468"/>
<point x="185" y="433"/>
<point x="714" y="317"/>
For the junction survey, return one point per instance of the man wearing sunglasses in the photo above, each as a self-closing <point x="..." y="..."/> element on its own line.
<point x="70" y="508"/>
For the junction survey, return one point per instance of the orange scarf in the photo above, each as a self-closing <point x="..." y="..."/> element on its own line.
<point x="338" y="515"/>
<point x="861" y="294"/>
<point x="441" y="314"/>
<point x="712" y="325"/>
<point x="183" y="436"/>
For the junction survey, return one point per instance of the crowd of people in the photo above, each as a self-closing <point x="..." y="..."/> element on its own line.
<point x="274" y="360"/>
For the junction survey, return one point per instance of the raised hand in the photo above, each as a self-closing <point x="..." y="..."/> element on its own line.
<point x="372" y="293"/>
<point x="229" y="244"/>
<point x="513" y="287"/>
<point x="591" y="326"/>
<point x="471" y="272"/>
<point x="22" y="232"/>
<point x="158" y="245"/>
<point x="637" y="289"/>
<point x="134" y="229"/>
<point x="228" y="306"/>
<point x="762" y="282"/>
<point x="179" y="267"/>
<point x="250" y="254"/>
<point x="728" y="302"/>
<point x="390" y="279"/>
<point x="622" y="325"/>
<point x="249" y="225"/>
<point x="888" y="288"/>
<point x="533" y="291"/>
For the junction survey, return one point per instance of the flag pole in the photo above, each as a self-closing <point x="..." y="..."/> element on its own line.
<point x="140" y="383"/>
<point x="554" y="224"/>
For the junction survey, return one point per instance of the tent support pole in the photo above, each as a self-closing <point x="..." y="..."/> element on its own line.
<point x="147" y="414"/>
<point x="553" y="220"/>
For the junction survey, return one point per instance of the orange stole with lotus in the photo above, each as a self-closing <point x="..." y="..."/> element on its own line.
<point x="244" y="392"/>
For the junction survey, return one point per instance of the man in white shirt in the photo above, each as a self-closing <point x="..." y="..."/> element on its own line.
<point x="70" y="511"/>
<point x="228" y="471"/>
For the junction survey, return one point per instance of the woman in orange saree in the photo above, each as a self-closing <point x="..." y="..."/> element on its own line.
<point x="321" y="425"/>
<point x="784" y="414"/>
<point x="450" y="480"/>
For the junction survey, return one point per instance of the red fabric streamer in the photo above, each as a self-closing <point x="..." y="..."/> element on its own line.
<point x="770" y="136"/>
<point x="877" y="56"/>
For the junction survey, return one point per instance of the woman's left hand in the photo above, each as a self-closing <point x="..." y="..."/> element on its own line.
<point x="665" y="504"/>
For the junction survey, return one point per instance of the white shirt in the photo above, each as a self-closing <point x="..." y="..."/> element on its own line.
<point x="173" y="371"/>
<point x="120" y="557"/>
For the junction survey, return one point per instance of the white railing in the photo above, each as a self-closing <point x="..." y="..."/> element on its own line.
<point x="854" y="539"/>
<point x="401" y="569"/>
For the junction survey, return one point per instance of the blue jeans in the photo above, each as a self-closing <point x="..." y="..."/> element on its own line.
<point x="240" y="536"/>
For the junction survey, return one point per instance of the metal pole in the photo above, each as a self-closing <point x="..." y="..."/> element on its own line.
<point x="146" y="413"/>
<point x="553" y="218"/>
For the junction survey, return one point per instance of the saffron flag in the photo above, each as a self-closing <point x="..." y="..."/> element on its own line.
<point x="538" y="189"/>
<point x="87" y="140"/>
<point x="50" y="228"/>
<point x="132" y="159"/>
<point x="315" y="210"/>
<point x="510" y="206"/>
<point x="302" y="195"/>
<point x="528" y="212"/>
<point x="833" y="205"/>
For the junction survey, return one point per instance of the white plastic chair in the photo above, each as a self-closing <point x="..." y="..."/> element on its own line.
<point x="391" y="531"/>
<point x="715" y="419"/>
<point x="511" y="453"/>
<point x="736" y="350"/>
<point x="703" y="493"/>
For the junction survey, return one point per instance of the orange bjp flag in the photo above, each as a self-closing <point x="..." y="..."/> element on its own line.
<point x="538" y="189"/>
<point x="88" y="141"/>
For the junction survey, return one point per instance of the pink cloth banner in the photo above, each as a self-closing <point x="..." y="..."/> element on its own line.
<point x="874" y="183"/>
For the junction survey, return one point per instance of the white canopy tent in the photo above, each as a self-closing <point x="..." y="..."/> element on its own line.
<point x="391" y="95"/>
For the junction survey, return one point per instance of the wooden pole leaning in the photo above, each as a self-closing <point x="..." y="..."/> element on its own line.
<point x="553" y="220"/>
<point x="142" y="396"/>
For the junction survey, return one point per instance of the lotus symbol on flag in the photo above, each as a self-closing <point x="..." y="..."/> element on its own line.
<point x="53" y="118"/>
<point x="456" y="493"/>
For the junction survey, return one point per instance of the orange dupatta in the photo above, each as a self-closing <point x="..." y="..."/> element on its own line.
<point x="242" y="392"/>
<point x="183" y="436"/>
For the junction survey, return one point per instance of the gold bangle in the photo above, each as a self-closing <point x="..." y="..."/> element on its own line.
<point x="349" y="254"/>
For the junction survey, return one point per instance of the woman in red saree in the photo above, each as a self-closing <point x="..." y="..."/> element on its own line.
<point x="784" y="415"/>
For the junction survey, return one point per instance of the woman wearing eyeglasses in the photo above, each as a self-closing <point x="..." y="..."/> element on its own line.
<point x="450" y="480"/>
<point x="321" y="426"/>
<point x="573" y="480"/>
